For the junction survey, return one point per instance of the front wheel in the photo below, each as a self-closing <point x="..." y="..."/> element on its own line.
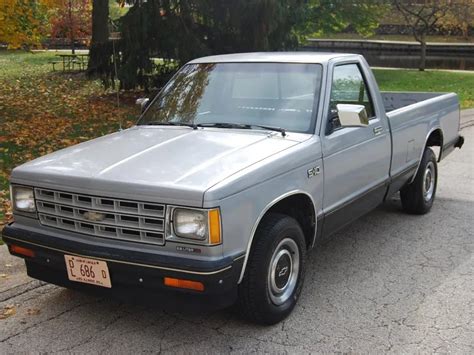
<point x="418" y="197"/>
<point x="275" y="270"/>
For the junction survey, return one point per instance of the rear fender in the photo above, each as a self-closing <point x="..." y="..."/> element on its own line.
<point x="434" y="129"/>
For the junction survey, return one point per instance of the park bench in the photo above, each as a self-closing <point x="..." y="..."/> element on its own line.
<point x="79" y="63"/>
<point x="71" y="61"/>
<point x="54" y="62"/>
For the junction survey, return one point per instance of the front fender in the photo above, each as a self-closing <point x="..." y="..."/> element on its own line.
<point x="242" y="212"/>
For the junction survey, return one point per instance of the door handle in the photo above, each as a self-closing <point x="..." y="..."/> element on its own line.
<point x="378" y="130"/>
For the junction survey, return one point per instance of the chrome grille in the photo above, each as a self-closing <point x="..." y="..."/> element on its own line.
<point x="101" y="216"/>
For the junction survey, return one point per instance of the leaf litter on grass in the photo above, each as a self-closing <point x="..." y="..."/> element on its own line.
<point x="44" y="111"/>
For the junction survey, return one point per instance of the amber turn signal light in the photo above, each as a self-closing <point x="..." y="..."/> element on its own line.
<point x="22" y="251"/>
<point x="214" y="227"/>
<point x="188" y="284"/>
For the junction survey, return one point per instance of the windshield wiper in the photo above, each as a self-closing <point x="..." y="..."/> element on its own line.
<point x="224" y="125"/>
<point x="220" y="125"/>
<point x="241" y="126"/>
<point x="271" y="128"/>
<point x="192" y="125"/>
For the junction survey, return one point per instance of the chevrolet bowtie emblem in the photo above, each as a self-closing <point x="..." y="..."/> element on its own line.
<point x="94" y="216"/>
<point x="283" y="271"/>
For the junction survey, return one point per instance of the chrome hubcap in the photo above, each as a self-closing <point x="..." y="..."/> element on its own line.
<point x="429" y="181"/>
<point x="283" y="271"/>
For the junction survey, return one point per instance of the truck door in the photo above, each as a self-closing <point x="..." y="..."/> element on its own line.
<point x="356" y="159"/>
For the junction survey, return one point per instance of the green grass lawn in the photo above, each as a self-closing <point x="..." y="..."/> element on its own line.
<point x="461" y="83"/>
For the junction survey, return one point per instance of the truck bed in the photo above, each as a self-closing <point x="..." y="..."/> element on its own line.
<point x="393" y="100"/>
<point x="413" y="118"/>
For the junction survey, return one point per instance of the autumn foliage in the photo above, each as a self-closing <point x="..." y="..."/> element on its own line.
<point x="72" y="20"/>
<point x="25" y="23"/>
<point x="42" y="111"/>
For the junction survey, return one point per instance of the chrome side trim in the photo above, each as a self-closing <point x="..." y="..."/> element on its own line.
<point x="424" y="147"/>
<point x="126" y="262"/>
<point x="264" y="211"/>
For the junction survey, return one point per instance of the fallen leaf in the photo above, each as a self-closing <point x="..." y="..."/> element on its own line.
<point x="33" y="311"/>
<point x="8" y="311"/>
<point x="62" y="110"/>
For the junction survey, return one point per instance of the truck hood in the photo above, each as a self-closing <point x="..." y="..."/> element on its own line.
<point x="163" y="164"/>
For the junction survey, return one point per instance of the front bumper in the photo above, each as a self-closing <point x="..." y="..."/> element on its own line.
<point x="134" y="274"/>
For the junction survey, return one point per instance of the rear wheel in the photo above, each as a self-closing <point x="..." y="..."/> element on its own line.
<point x="275" y="270"/>
<point x="418" y="197"/>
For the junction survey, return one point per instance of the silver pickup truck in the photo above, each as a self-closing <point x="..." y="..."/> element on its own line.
<point x="234" y="171"/>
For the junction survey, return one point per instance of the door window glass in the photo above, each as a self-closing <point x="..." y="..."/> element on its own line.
<point x="349" y="87"/>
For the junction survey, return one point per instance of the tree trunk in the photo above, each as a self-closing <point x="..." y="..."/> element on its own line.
<point x="423" y="53"/>
<point x="100" y="21"/>
<point x="98" y="51"/>
<point x="465" y="30"/>
<point x="71" y="28"/>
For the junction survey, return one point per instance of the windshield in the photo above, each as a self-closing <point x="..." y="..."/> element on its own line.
<point x="267" y="94"/>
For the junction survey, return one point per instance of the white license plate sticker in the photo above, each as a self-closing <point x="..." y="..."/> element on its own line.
<point x="89" y="271"/>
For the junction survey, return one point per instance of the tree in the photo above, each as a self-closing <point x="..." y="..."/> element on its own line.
<point x="460" y="16"/>
<point x="422" y="16"/>
<point x="179" y="30"/>
<point x="72" y="20"/>
<point x="24" y="22"/>
<point x="329" y="16"/>
<point x="99" y="50"/>
<point x="100" y="21"/>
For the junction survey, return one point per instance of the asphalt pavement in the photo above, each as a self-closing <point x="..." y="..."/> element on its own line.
<point x="390" y="282"/>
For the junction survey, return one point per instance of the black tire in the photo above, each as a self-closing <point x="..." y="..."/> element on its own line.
<point x="256" y="299"/>
<point x="415" y="197"/>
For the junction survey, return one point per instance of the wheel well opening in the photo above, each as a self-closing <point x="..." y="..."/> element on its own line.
<point x="301" y="208"/>
<point x="436" y="139"/>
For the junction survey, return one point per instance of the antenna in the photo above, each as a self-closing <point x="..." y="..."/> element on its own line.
<point x="113" y="37"/>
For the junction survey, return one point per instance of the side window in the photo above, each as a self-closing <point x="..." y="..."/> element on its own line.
<point x="349" y="87"/>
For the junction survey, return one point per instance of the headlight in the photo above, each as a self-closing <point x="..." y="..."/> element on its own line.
<point x="190" y="224"/>
<point x="23" y="199"/>
<point x="200" y="225"/>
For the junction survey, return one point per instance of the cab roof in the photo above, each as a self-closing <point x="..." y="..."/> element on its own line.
<point x="273" y="57"/>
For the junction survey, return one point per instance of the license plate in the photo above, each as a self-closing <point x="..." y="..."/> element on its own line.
<point x="87" y="271"/>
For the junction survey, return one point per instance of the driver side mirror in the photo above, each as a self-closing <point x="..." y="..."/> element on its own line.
<point x="143" y="103"/>
<point x="352" y="115"/>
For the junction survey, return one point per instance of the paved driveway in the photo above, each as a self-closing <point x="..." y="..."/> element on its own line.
<point x="388" y="283"/>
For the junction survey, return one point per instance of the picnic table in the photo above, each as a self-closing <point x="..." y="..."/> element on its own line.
<point x="69" y="61"/>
